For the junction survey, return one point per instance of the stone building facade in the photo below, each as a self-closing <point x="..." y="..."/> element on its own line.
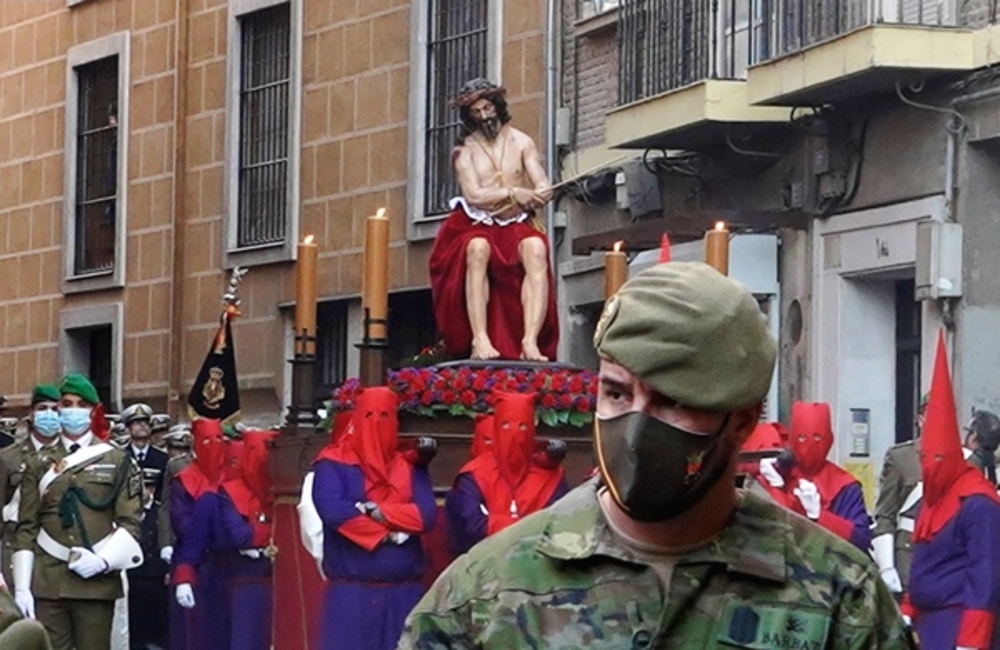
<point x="148" y="146"/>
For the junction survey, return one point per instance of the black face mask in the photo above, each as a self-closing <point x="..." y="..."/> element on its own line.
<point x="656" y="471"/>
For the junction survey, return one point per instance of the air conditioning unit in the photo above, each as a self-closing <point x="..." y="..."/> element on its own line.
<point x="939" y="260"/>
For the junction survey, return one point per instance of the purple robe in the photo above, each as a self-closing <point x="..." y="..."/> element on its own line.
<point x="190" y="520"/>
<point x="957" y="571"/>
<point x="248" y="579"/>
<point x="370" y="593"/>
<point x="850" y="504"/>
<point x="467" y="519"/>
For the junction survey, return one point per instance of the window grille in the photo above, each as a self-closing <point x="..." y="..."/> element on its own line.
<point x="265" y="81"/>
<point x="457" y="52"/>
<point x="96" y="166"/>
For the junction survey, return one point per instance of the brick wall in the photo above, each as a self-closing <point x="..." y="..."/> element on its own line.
<point x="590" y="78"/>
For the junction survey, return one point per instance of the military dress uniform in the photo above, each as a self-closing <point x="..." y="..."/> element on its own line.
<point x="89" y="503"/>
<point x="13" y="460"/>
<point x="899" y="495"/>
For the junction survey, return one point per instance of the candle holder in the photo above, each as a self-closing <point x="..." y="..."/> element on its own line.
<point x="301" y="417"/>
<point x="373" y="352"/>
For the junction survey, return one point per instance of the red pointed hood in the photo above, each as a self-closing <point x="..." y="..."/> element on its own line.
<point x="256" y="465"/>
<point x="209" y="448"/>
<point x="941" y="457"/>
<point x="482" y="436"/>
<point x="810" y="436"/>
<point x="947" y="477"/>
<point x="340" y="426"/>
<point x="376" y="433"/>
<point x="514" y="434"/>
<point x="665" y="248"/>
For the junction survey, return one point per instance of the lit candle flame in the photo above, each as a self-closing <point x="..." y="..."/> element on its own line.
<point x="380" y="214"/>
<point x="618" y="246"/>
<point x="720" y="225"/>
<point x="308" y="240"/>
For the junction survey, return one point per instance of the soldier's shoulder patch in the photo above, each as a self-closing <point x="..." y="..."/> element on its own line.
<point x="134" y="485"/>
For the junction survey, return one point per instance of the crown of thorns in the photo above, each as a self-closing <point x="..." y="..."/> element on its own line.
<point x="475" y="90"/>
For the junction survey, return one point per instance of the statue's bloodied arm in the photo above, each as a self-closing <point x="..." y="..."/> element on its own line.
<point x="472" y="188"/>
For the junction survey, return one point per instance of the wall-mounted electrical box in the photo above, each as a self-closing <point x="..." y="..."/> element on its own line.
<point x="939" y="260"/>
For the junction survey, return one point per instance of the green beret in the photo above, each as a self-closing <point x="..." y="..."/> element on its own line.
<point x="44" y="393"/>
<point x="76" y="384"/>
<point x="692" y="334"/>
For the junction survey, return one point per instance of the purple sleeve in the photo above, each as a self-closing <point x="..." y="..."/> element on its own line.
<point x="850" y="504"/>
<point x="559" y="493"/>
<point x="423" y="496"/>
<point x="192" y="545"/>
<point x="231" y="530"/>
<point x="464" y="509"/>
<point x="979" y="525"/>
<point x="335" y="491"/>
<point x="181" y="508"/>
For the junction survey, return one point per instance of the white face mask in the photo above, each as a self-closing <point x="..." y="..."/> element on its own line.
<point x="75" y="420"/>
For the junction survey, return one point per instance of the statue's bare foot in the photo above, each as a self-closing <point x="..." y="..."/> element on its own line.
<point x="530" y="352"/>
<point x="483" y="349"/>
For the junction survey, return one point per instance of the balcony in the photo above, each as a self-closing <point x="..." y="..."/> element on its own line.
<point x="829" y="50"/>
<point x="682" y="65"/>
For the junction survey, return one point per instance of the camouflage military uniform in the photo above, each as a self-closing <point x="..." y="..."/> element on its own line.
<point x="561" y="579"/>
<point x="900" y="475"/>
<point x="61" y="595"/>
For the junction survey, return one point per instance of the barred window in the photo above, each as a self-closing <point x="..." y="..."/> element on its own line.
<point x="96" y="166"/>
<point x="457" y="52"/>
<point x="265" y="80"/>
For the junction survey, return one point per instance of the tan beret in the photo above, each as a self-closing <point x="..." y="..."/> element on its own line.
<point x="692" y="334"/>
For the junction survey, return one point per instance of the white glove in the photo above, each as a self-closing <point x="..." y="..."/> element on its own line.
<point x="10" y="512"/>
<point x="22" y="564"/>
<point x="398" y="537"/>
<point x="25" y="602"/>
<point x="185" y="596"/>
<point x="809" y="498"/>
<point x="891" y="579"/>
<point x="87" y="563"/>
<point x="907" y="620"/>
<point x="770" y="472"/>
<point x="964" y="647"/>
<point x="167" y="554"/>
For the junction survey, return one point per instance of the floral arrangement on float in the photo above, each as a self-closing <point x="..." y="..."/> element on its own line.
<point x="566" y="396"/>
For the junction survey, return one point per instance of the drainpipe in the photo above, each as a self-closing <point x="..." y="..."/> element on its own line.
<point x="180" y="173"/>
<point x="552" y="32"/>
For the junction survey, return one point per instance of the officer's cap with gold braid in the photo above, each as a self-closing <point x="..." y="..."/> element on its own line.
<point x="76" y="384"/>
<point x="692" y="334"/>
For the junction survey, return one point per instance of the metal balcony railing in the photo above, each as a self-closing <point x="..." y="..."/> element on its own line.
<point x="667" y="44"/>
<point x="801" y="23"/>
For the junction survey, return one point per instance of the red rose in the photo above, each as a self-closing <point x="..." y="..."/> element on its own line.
<point x="468" y="398"/>
<point x="583" y="404"/>
<point x="564" y="402"/>
<point x="548" y="400"/>
<point x="448" y="397"/>
<point x="576" y="384"/>
<point x="558" y="382"/>
<point x="538" y="383"/>
<point x="427" y="398"/>
<point x="440" y="384"/>
<point x="479" y="383"/>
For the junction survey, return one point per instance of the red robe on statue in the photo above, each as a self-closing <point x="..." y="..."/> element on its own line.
<point x="504" y="313"/>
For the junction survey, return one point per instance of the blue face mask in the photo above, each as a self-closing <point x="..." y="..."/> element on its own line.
<point x="75" y="421"/>
<point x="46" y="423"/>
